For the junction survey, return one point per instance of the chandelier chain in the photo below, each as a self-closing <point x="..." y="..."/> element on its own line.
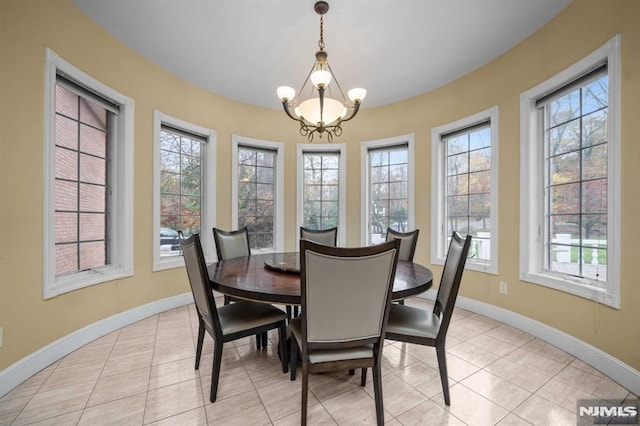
<point x="321" y="42"/>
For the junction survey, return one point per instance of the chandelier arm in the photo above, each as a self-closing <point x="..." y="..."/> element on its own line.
<point x="285" y="106"/>
<point x="356" y="108"/>
<point x="335" y="80"/>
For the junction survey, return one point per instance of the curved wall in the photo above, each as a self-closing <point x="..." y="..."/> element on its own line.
<point x="28" y="27"/>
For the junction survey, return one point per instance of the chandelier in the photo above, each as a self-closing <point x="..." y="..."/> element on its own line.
<point x="319" y="112"/>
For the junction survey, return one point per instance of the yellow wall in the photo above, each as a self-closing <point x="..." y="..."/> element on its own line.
<point x="27" y="27"/>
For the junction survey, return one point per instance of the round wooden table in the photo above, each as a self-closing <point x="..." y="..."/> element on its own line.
<point x="274" y="278"/>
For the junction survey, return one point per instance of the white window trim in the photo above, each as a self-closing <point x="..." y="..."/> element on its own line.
<point x="278" y="232"/>
<point x="364" y="161"/>
<point x="532" y="182"/>
<point x="208" y="212"/>
<point x="439" y="240"/>
<point x="341" y="149"/>
<point x="121" y="180"/>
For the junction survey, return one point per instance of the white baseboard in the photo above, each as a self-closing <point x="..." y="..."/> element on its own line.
<point x="622" y="373"/>
<point x="20" y="371"/>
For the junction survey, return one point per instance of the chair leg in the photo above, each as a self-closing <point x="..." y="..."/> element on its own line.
<point x="283" y="345"/>
<point x="265" y="339"/>
<point x="215" y="372"/>
<point x="200" y="342"/>
<point x="295" y="311"/>
<point x="305" y="393"/>
<point x="363" y="377"/>
<point x="227" y="299"/>
<point x="352" y="371"/>
<point x="442" y="364"/>
<point x="293" y="358"/>
<point x="288" y="308"/>
<point x="258" y="341"/>
<point x="377" y="391"/>
<point x="401" y="302"/>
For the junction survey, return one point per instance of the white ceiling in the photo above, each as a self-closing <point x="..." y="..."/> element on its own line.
<point x="396" y="49"/>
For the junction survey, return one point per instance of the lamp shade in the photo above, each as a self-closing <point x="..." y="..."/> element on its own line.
<point x="285" y="93"/>
<point x="357" y="94"/>
<point x="320" y="78"/>
<point x="332" y="111"/>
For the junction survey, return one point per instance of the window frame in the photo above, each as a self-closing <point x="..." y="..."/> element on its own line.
<point x="341" y="150"/>
<point x="208" y="206"/>
<point x="390" y="142"/>
<point x="532" y="169"/>
<point x="120" y="179"/>
<point x="278" y="147"/>
<point x="439" y="232"/>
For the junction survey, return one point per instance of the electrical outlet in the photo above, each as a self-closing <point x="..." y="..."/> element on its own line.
<point x="503" y="287"/>
<point x="1" y="336"/>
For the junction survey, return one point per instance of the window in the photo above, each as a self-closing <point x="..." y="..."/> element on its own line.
<point x="322" y="187"/>
<point x="184" y="188"/>
<point x="464" y="188"/>
<point x="257" y="192"/>
<point x="88" y="180"/>
<point x="387" y="180"/>
<point x="570" y="183"/>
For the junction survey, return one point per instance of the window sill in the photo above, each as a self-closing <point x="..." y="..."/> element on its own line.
<point x="472" y="266"/>
<point x="567" y="285"/>
<point x="83" y="279"/>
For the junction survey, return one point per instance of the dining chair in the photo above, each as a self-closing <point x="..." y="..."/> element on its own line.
<point x="229" y="322"/>
<point x="414" y="325"/>
<point x="230" y="244"/>
<point x="346" y="293"/>
<point x="408" y="241"/>
<point x="327" y="237"/>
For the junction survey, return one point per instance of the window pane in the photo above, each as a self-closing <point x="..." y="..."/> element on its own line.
<point x="577" y="182"/>
<point x="480" y="160"/>
<point x="81" y="183"/>
<point x="458" y="164"/>
<point x="256" y="193"/>
<point x="180" y="187"/>
<point x="321" y="191"/>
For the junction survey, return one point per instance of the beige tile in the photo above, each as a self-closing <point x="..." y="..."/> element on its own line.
<point x="510" y="335"/>
<point x="540" y="412"/>
<point x="580" y="365"/>
<point x="354" y="407"/>
<point x="543" y="348"/>
<point x="513" y="420"/>
<point x="10" y="408"/>
<point x="94" y="354"/>
<point x="431" y="413"/>
<point x="316" y="415"/>
<point x="457" y="368"/>
<point x="478" y="323"/>
<point x="32" y="384"/>
<point x="493" y="345"/>
<point x="71" y="375"/>
<point x="459" y="332"/>
<point x="426" y="354"/>
<point x="328" y="385"/>
<point x="504" y="393"/>
<point x="119" y="386"/>
<point x="129" y="361"/>
<point x="173" y="372"/>
<point x="535" y="361"/>
<point x="398" y="396"/>
<point x="424" y="378"/>
<point x="393" y="358"/>
<point x="173" y="349"/>
<point x="171" y="400"/>
<point x="55" y="402"/>
<point x="145" y="327"/>
<point x="471" y="407"/>
<point x="71" y="418"/>
<point x="473" y="354"/>
<point x="121" y="412"/>
<point x="524" y="376"/>
<point x="602" y="387"/>
<point x="563" y="394"/>
<point x="240" y="410"/>
<point x="106" y="339"/>
<point x="232" y="382"/>
<point x="283" y="397"/>
<point x="196" y="417"/>
<point x="133" y="345"/>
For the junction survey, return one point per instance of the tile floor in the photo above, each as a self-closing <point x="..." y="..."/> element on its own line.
<point x="143" y="374"/>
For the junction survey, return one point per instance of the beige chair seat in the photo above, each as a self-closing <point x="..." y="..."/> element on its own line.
<point x="242" y="316"/>
<point x="413" y="322"/>
<point x="328" y="355"/>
